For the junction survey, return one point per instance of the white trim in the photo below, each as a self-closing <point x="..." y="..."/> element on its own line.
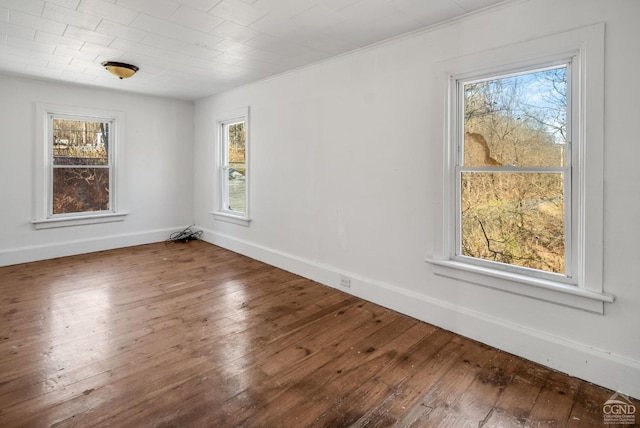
<point x="586" y="46"/>
<point x="617" y="372"/>
<point x="230" y="218"/>
<point x="31" y="253"/>
<point x="538" y="288"/>
<point x="53" y="222"/>
<point x="223" y="213"/>
<point x="43" y="219"/>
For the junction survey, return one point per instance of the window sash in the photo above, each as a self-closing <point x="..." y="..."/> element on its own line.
<point x="226" y="166"/>
<point x="52" y="166"/>
<point x="570" y="193"/>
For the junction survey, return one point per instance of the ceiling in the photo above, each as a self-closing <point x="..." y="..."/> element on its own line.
<point x="190" y="49"/>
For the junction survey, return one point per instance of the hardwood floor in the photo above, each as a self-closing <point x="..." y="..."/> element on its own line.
<point x="192" y="335"/>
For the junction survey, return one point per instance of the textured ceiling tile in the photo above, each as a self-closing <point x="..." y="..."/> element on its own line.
<point x="32" y="7"/>
<point x="114" y="29"/>
<point x="194" y="48"/>
<point x="134" y="47"/>
<point x="196" y="19"/>
<point x="285" y="8"/>
<point x="232" y="47"/>
<point x="171" y="30"/>
<point x="89" y="36"/>
<point x="202" y="52"/>
<point x="170" y="59"/>
<point x="16" y="30"/>
<point x="53" y="58"/>
<point x="321" y="41"/>
<point x="367" y="10"/>
<point x="30" y="21"/>
<point x="69" y="4"/>
<point x="68" y="16"/>
<point x="14" y="59"/>
<point x="203" y="5"/>
<point x="74" y="65"/>
<point x="318" y="17"/>
<point x="428" y="14"/>
<point x="238" y="12"/>
<point x="166" y="42"/>
<point x="228" y="58"/>
<point x="108" y="11"/>
<point x="54" y="39"/>
<point x="388" y="27"/>
<point x="335" y="5"/>
<point x="111" y="52"/>
<point x="232" y="31"/>
<point x="83" y="66"/>
<point x="75" y="53"/>
<point x="158" y="8"/>
<point x="43" y="71"/>
<point x="75" y="76"/>
<point x="471" y="5"/>
<point x="29" y="45"/>
<point x="275" y="25"/>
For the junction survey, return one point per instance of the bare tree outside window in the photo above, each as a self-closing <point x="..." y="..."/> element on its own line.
<point x="236" y="167"/>
<point x="81" y="167"/>
<point x="513" y="170"/>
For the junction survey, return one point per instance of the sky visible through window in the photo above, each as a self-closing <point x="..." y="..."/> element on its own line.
<point x="513" y="178"/>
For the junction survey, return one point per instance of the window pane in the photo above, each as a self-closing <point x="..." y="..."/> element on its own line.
<point x="80" y="142"/>
<point x="80" y="190"/>
<point x="236" y="143"/>
<point x="514" y="218"/>
<point x="237" y="189"/>
<point x="517" y="120"/>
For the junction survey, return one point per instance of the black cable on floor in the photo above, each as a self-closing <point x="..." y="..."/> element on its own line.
<point x="185" y="235"/>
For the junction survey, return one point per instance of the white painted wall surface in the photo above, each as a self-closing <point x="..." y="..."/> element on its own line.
<point x="158" y="160"/>
<point x="346" y="169"/>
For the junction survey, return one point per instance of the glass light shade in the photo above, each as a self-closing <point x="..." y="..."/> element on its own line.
<point x="120" y="69"/>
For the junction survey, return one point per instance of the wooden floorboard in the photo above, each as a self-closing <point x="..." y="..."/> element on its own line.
<point x="192" y="335"/>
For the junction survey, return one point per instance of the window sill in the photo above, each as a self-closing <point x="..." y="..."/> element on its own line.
<point x="51" y="223"/>
<point x="541" y="289"/>
<point x="231" y="218"/>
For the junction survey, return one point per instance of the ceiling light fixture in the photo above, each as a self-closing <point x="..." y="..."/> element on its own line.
<point x="120" y="69"/>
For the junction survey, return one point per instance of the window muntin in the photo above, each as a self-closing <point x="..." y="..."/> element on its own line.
<point x="513" y="172"/>
<point x="81" y="165"/>
<point x="234" y="166"/>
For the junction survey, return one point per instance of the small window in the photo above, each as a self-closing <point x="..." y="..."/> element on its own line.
<point x="81" y="165"/>
<point x="234" y="168"/>
<point x="514" y="166"/>
<point x="233" y="139"/>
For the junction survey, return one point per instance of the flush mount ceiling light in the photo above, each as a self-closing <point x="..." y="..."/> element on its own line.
<point x="120" y="69"/>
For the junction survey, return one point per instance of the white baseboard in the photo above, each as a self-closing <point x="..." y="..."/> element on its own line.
<point x="616" y="372"/>
<point x="34" y="253"/>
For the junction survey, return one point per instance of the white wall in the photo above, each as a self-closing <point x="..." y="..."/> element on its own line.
<point x="158" y="160"/>
<point x="347" y="160"/>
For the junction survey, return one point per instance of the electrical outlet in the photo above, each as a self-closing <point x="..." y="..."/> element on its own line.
<point x="345" y="282"/>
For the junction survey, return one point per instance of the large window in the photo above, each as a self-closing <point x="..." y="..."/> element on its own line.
<point x="522" y="194"/>
<point x="76" y="178"/>
<point x="513" y="172"/>
<point x="233" y="139"/>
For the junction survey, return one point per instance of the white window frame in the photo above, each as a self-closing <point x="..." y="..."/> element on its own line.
<point x="571" y="194"/>
<point x="44" y="217"/>
<point x="223" y="213"/>
<point x="584" y="288"/>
